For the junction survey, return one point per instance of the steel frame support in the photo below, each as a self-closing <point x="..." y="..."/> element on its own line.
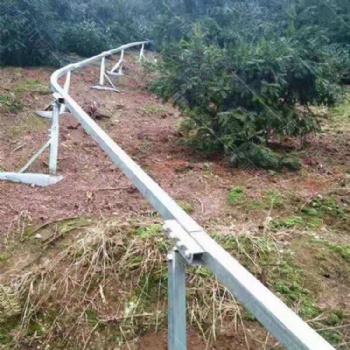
<point x="47" y="112"/>
<point x="66" y="90"/>
<point x="54" y="137"/>
<point x="177" y="339"/>
<point x="278" y="319"/>
<point x="53" y="142"/>
<point x="35" y="157"/>
<point x="104" y="76"/>
<point x="119" y="66"/>
<point x="142" y="55"/>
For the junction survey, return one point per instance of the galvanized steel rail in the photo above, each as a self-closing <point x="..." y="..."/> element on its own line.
<point x="193" y="246"/>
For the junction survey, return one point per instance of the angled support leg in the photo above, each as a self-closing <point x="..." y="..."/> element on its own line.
<point x="103" y="75"/>
<point x="118" y="66"/>
<point x="54" y="137"/>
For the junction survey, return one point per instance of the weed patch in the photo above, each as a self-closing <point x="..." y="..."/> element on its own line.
<point x="32" y="85"/>
<point x="156" y="109"/>
<point x="186" y="206"/>
<point x="235" y="195"/>
<point x="342" y="249"/>
<point x="328" y="210"/>
<point x="10" y="104"/>
<point x="277" y="268"/>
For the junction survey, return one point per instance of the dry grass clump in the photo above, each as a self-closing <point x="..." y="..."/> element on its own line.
<point x="106" y="283"/>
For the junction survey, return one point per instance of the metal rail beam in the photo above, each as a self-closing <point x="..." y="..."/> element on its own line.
<point x="281" y="321"/>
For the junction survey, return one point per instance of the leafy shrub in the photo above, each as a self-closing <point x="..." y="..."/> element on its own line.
<point x="85" y="38"/>
<point x="237" y="97"/>
<point x="22" y="43"/>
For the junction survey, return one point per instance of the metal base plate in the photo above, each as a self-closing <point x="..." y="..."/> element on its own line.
<point x="44" y="114"/>
<point x="107" y="88"/>
<point x="41" y="180"/>
<point x="47" y="114"/>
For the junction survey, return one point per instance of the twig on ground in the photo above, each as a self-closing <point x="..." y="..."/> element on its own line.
<point x="201" y="203"/>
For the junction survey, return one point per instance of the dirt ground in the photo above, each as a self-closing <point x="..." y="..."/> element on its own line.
<point x="147" y="130"/>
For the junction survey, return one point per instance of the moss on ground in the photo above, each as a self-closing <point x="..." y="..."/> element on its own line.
<point x="289" y="211"/>
<point x="278" y="268"/>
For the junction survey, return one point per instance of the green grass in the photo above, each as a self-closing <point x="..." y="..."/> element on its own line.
<point x="150" y="231"/>
<point x="3" y="257"/>
<point x="156" y="109"/>
<point x="277" y="267"/>
<point x="133" y="261"/>
<point x="235" y="195"/>
<point x="269" y="199"/>
<point x="186" y="206"/>
<point x="10" y="104"/>
<point x="291" y="221"/>
<point x="342" y="249"/>
<point x="32" y="85"/>
<point x="274" y="199"/>
<point x="319" y="211"/>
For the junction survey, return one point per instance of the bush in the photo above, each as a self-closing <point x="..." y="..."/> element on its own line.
<point x="236" y="98"/>
<point x="22" y="43"/>
<point x="85" y="38"/>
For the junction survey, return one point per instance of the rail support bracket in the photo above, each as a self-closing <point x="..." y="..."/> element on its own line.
<point x="189" y="249"/>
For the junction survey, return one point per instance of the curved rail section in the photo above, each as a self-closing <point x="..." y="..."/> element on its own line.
<point x="192" y="245"/>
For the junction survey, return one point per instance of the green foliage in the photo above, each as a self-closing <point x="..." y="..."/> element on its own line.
<point x="150" y="231"/>
<point x="239" y="96"/>
<point x="247" y="74"/>
<point x="24" y="40"/>
<point x="85" y="39"/>
<point x="292" y="221"/>
<point x="243" y="73"/>
<point x="85" y="27"/>
<point x="342" y="249"/>
<point x="32" y="85"/>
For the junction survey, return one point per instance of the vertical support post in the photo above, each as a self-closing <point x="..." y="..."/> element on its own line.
<point x="54" y="136"/>
<point x="102" y="72"/>
<point x="67" y="83"/>
<point x="142" y="52"/>
<point x="66" y="90"/>
<point x="120" y="71"/>
<point x="176" y="302"/>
